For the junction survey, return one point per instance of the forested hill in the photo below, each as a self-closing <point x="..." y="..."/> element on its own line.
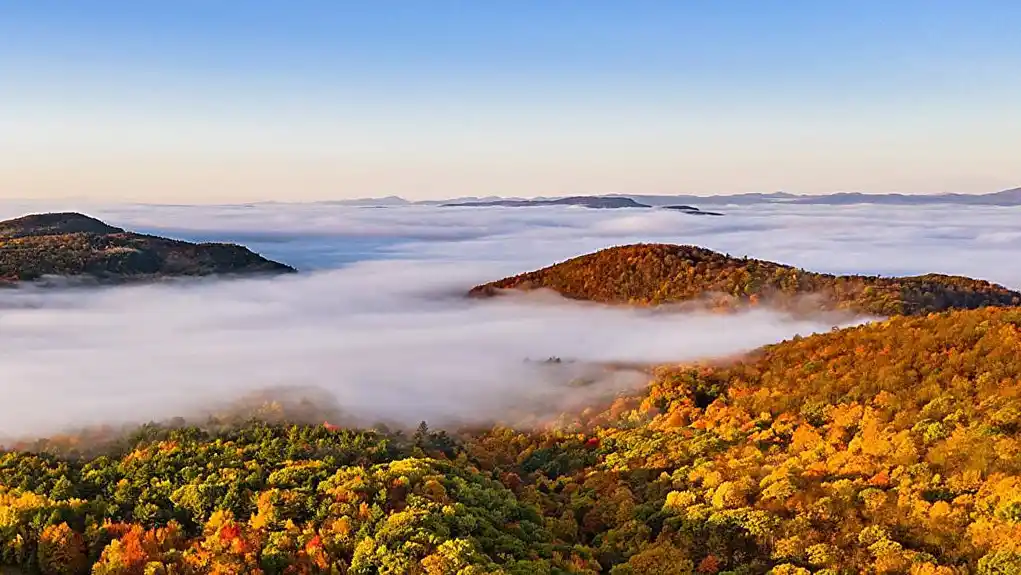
<point x="891" y="448"/>
<point x="72" y="244"/>
<point x="649" y="274"/>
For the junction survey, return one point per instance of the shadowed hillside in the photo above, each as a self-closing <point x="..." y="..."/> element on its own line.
<point x="71" y="244"/>
<point x="650" y="274"/>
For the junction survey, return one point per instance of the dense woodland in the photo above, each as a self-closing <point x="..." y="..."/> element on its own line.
<point x="71" y="244"/>
<point x="890" y="448"/>
<point x="650" y="274"/>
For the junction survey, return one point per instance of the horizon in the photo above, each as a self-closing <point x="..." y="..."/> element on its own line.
<point x="526" y="197"/>
<point x="229" y="103"/>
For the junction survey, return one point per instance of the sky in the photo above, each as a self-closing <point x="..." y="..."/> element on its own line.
<point x="198" y="102"/>
<point x="376" y="322"/>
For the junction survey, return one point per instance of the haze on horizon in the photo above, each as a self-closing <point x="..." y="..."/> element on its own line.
<point x="197" y="102"/>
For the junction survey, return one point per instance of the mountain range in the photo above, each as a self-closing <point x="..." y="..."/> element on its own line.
<point x="1011" y="197"/>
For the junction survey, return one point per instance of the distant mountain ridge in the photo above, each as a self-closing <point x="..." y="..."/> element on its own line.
<point x="1011" y="197"/>
<point x="75" y="245"/>
<point x="653" y="274"/>
<point x="584" y="201"/>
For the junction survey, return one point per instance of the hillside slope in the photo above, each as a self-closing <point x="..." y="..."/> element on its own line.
<point x="649" y="274"/>
<point x="890" y="448"/>
<point x="72" y="244"/>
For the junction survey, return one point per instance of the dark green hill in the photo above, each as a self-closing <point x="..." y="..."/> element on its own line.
<point x="649" y="274"/>
<point x="72" y="244"/>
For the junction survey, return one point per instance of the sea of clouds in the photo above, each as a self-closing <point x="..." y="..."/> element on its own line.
<point x="377" y="319"/>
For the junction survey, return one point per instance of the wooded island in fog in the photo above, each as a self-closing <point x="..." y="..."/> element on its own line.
<point x="75" y="245"/>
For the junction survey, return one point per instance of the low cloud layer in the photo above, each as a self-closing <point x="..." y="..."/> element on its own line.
<point x="380" y="324"/>
<point x="978" y="241"/>
<point x="389" y="340"/>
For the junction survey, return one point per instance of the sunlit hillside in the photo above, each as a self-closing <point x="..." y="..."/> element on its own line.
<point x="660" y="274"/>
<point x="886" y="448"/>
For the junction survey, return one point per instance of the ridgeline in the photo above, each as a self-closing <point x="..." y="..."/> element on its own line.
<point x="653" y="274"/>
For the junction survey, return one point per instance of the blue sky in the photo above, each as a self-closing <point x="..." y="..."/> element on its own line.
<point x="193" y="101"/>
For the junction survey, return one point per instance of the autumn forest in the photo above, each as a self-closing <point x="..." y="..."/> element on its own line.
<point x="893" y="447"/>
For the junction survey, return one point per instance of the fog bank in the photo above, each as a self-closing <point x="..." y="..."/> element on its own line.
<point x="377" y="322"/>
<point x="389" y="340"/>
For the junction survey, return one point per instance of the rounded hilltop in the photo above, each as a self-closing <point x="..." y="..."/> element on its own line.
<point x="75" y="245"/>
<point x="51" y="224"/>
<point x="651" y="274"/>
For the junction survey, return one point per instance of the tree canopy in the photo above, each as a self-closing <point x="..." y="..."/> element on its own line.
<point x="72" y="244"/>
<point x="650" y="274"/>
<point x="888" y="448"/>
